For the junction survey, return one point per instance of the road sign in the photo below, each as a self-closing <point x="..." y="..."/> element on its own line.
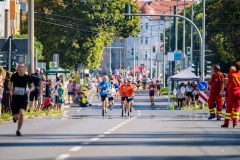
<point x="52" y="65"/>
<point x="203" y="98"/>
<point x="177" y="55"/>
<point x="202" y="86"/>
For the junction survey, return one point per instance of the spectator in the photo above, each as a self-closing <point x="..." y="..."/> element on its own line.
<point x="48" y="104"/>
<point x="7" y="98"/>
<point x="56" y="87"/>
<point x="70" y="91"/>
<point x="60" y="98"/>
<point x="83" y="100"/>
<point x="180" y="96"/>
<point x="189" y="95"/>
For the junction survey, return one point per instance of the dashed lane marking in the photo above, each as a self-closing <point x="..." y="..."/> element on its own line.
<point x="75" y="149"/>
<point x="63" y="156"/>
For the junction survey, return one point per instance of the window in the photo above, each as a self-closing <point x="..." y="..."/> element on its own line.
<point x="146" y="56"/>
<point x="141" y="40"/>
<point x="146" y="25"/>
<point x="146" y="40"/>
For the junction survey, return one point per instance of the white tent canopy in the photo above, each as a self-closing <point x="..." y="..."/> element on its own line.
<point x="185" y="75"/>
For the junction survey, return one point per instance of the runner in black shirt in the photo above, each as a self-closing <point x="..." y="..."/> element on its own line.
<point x="34" y="96"/>
<point x="17" y="87"/>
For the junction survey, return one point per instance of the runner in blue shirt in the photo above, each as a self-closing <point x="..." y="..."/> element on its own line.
<point x="104" y="87"/>
<point x="116" y="86"/>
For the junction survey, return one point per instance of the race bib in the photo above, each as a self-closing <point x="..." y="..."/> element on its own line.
<point x="105" y="91"/>
<point x="20" y="91"/>
<point x="151" y="88"/>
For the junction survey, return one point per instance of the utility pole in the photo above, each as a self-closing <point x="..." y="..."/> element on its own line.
<point x="31" y="34"/>
<point x="120" y="65"/>
<point x="134" y="60"/>
<point x="110" y="59"/>
<point x="191" y="55"/>
<point x="203" y="42"/>
<point x="10" y="54"/>
<point x="184" y="33"/>
<point x="151" y="54"/>
<point x="164" y="50"/>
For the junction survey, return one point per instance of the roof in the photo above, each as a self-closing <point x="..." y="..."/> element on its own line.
<point x="161" y="7"/>
<point x="21" y="45"/>
<point x="185" y="75"/>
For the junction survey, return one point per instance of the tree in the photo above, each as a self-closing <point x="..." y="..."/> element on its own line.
<point x="79" y="31"/>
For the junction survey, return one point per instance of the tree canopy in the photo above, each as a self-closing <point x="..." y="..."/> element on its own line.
<point x="79" y="31"/>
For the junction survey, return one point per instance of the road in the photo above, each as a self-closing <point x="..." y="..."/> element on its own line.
<point x="152" y="133"/>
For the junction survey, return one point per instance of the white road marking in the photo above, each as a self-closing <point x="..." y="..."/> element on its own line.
<point x="63" y="156"/>
<point x="85" y="143"/>
<point x="116" y="127"/>
<point x="107" y="132"/>
<point x="101" y="136"/>
<point x="75" y="149"/>
<point x="94" y="139"/>
<point x="120" y="125"/>
<point x="111" y="130"/>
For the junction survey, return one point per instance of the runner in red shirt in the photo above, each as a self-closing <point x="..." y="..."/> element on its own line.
<point x="216" y="89"/>
<point x="152" y="89"/>
<point x="233" y="100"/>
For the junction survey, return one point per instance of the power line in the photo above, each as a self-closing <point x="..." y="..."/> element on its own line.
<point x="65" y="26"/>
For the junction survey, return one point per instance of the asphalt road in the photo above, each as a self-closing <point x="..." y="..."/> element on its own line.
<point x="152" y="133"/>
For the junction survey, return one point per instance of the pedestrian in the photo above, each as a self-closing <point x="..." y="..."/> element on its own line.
<point x="189" y="95"/>
<point x="180" y="96"/>
<point x="48" y="104"/>
<point x="7" y="98"/>
<point x="60" y="96"/>
<point x="103" y="88"/>
<point x="70" y="91"/>
<point x="216" y="89"/>
<point x="138" y="84"/>
<point x="17" y="88"/>
<point x="111" y="95"/>
<point x="144" y="82"/>
<point x="151" y="88"/>
<point x="56" y="86"/>
<point x="35" y="95"/>
<point x="233" y="99"/>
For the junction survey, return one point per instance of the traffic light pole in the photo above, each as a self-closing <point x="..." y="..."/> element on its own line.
<point x="191" y="22"/>
<point x="10" y="54"/>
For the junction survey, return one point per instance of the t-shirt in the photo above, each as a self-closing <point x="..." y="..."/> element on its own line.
<point x="116" y="86"/>
<point x="151" y="88"/>
<point x="111" y="92"/>
<point x="46" y="102"/>
<point x="37" y="79"/>
<point x="20" y="83"/>
<point x="123" y="90"/>
<point x="130" y="90"/>
<point x="56" y="86"/>
<point x="189" y="89"/>
<point x="70" y="87"/>
<point x="234" y="80"/>
<point x="104" y="90"/>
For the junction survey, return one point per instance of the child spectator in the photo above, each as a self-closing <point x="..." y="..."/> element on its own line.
<point x="48" y="104"/>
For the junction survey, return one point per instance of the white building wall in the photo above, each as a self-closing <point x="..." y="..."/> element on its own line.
<point x="149" y="36"/>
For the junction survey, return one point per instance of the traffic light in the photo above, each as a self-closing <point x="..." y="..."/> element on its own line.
<point x="13" y="66"/>
<point x="195" y="67"/>
<point x="208" y="67"/>
<point x="154" y="48"/>
<point x="128" y="10"/>
<point x="188" y="51"/>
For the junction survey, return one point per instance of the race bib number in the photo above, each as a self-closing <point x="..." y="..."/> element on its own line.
<point x="20" y="91"/>
<point x="105" y="91"/>
<point x="151" y="88"/>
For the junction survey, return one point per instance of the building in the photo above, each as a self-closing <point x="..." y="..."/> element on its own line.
<point x="149" y="41"/>
<point x="11" y="13"/>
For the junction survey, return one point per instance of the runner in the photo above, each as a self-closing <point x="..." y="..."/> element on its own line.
<point x="103" y="88"/>
<point x="17" y="88"/>
<point x="123" y="96"/>
<point x="151" y="88"/>
<point x="159" y="85"/>
<point x="130" y="94"/>
<point x="138" y="84"/>
<point x="111" y="94"/>
<point x="116" y="86"/>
